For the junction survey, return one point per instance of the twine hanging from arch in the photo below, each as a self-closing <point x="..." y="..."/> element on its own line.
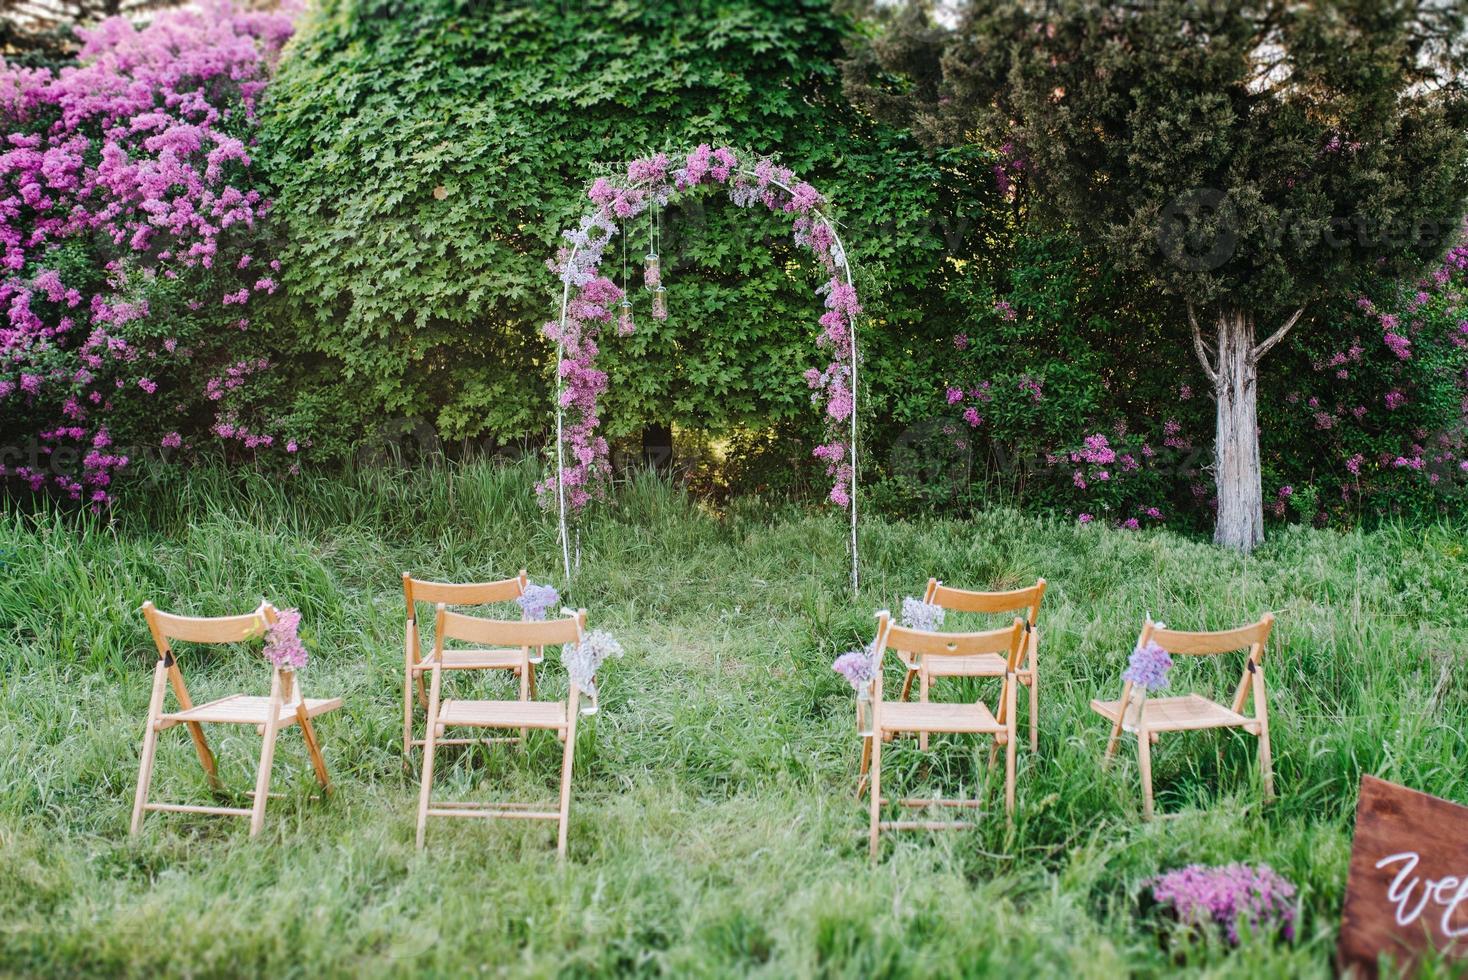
<point x="591" y="301"/>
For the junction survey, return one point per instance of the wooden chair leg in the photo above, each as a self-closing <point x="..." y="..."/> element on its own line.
<point x="430" y="743"/>
<point x="313" y="746"/>
<point x="568" y="757"/>
<point x="1126" y="696"/>
<point x="873" y="845"/>
<point x="262" y="779"/>
<point x="1266" y="758"/>
<point x="150" y="748"/>
<point x="923" y="697"/>
<point x="1144" y="760"/>
<point x="407" y="713"/>
<point x="524" y="675"/>
<point x="1011" y="697"/>
<point x="866" y="763"/>
<point x="907" y="683"/>
<point x="1034" y="711"/>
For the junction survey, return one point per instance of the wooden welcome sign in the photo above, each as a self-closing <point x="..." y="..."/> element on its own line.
<point x="1408" y="885"/>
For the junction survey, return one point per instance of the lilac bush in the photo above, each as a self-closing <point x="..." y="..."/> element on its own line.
<point x="595" y="301"/>
<point x="129" y="217"/>
<point x="1227" y="896"/>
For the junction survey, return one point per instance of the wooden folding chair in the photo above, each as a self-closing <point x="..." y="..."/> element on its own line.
<point x="556" y="716"/>
<point x="985" y="665"/>
<point x="284" y="707"/>
<point x="1146" y="717"/>
<point x="520" y="662"/>
<point x="892" y="717"/>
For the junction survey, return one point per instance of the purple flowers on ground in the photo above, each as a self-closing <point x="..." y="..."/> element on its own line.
<point x="536" y="601"/>
<point x="1228" y="895"/>
<point x="920" y="615"/>
<point x="283" y="646"/>
<point x="1148" y="666"/>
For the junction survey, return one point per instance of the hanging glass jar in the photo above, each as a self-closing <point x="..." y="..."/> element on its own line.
<point x="625" y="324"/>
<point x="652" y="273"/>
<point x="660" y="303"/>
<point x="865" y="713"/>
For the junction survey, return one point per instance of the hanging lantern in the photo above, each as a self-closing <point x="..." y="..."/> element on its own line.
<point x="652" y="275"/>
<point x="660" y="303"/>
<point x="625" y="326"/>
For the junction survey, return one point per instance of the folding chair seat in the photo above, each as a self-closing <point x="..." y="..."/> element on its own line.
<point x="285" y="706"/>
<point x="893" y="717"/>
<point x="443" y="715"/>
<point x="926" y="670"/>
<point x="249" y="709"/>
<point x="518" y="661"/>
<point x="1146" y="717"/>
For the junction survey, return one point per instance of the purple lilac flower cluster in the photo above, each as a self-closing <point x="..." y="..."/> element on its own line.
<point x="283" y="646"/>
<point x="584" y="659"/>
<point x="139" y="153"/>
<point x="654" y="181"/>
<point x="1148" y="666"/>
<point x="859" y="667"/>
<point x="920" y="615"/>
<point x="1227" y="896"/>
<point x="536" y="601"/>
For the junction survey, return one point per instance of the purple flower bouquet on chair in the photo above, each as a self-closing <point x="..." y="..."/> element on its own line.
<point x="1148" y="667"/>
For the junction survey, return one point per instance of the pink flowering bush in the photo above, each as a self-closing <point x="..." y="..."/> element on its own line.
<point x="131" y="250"/>
<point x="1375" y="418"/>
<point x="595" y="302"/>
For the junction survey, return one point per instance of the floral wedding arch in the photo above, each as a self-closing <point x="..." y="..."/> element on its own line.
<point x="591" y="301"/>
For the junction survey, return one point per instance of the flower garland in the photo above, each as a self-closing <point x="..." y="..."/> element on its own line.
<point x="591" y="302"/>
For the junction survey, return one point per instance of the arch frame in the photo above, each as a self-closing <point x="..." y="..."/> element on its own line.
<point x="762" y="175"/>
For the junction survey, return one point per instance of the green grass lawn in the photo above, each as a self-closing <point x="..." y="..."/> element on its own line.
<point x="714" y="826"/>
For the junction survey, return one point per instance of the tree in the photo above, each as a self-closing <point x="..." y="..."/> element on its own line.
<point x="1246" y="159"/>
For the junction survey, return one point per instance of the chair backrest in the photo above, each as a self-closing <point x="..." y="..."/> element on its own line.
<point x="416" y="590"/>
<point x="965" y="600"/>
<point x="1254" y="637"/>
<point x="1008" y="640"/>
<point x="451" y="625"/>
<point x="203" y="629"/>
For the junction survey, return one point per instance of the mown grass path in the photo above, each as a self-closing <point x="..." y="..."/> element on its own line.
<point x="714" y="828"/>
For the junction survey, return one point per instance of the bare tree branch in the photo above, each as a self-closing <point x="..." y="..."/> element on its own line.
<point x="1200" y="348"/>
<point x="1278" y="335"/>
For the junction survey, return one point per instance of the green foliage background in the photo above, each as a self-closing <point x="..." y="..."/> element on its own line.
<point x="432" y="303"/>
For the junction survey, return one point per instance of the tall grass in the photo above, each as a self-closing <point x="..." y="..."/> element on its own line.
<point x="715" y="830"/>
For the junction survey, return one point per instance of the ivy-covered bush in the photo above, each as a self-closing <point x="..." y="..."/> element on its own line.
<point x="131" y="252"/>
<point x="428" y="154"/>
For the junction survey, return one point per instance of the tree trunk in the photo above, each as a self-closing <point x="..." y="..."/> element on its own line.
<point x="1240" y="523"/>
